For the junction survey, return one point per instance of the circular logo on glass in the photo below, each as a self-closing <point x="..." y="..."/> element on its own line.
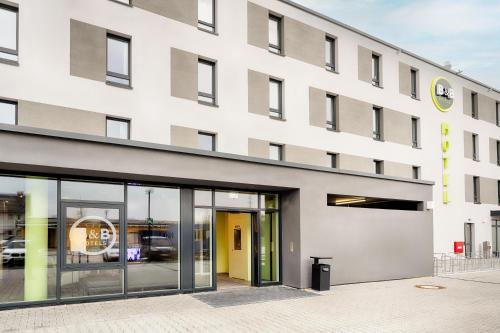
<point x="96" y="236"/>
<point x="443" y="94"/>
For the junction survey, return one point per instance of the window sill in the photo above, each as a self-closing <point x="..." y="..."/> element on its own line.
<point x="332" y="130"/>
<point x="277" y="118"/>
<point x="477" y="202"/>
<point x="415" y="98"/>
<point x="122" y="3"/>
<point x="214" y="105"/>
<point x="334" y="71"/>
<point x="9" y="62"/>
<point x="416" y="147"/>
<point x="215" y="33"/>
<point x="476" y="160"/>
<point x="277" y="54"/>
<point x="119" y="85"/>
<point x="377" y="86"/>
<point x="379" y="140"/>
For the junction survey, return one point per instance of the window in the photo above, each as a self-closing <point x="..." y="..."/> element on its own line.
<point x="475" y="151"/>
<point x="413" y="78"/>
<point x="276" y="152"/>
<point x="117" y="128"/>
<point x="206" y="141"/>
<point x="333" y="160"/>
<point x="331" y="112"/>
<point x="274" y="34"/>
<point x="497" y="113"/>
<point x="376" y="70"/>
<point x="379" y="167"/>
<point x="275" y="99"/>
<point x="206" y="81"/>
<point x="498" y="192"/>
<point x="498" y="153"/>
<point x="416" y="172"/>
<point x="475" y="189"/>
<point x="8" y="112"/>
<point x="118" y="60"/>
<point x="206" y="15"/>
<point x="377" y="123"/>
<point x="330" y="52"/>
<point x="415" y="132"/>
<point x="474" y="110"/>
<point x="8" y="35"/>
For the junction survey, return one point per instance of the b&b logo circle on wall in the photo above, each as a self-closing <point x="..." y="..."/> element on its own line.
<point x="443" y="94"/>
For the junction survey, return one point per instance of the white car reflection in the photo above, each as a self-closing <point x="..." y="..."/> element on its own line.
<point x="14" y="252"/>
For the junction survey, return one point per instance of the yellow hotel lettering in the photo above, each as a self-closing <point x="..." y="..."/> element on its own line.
<point x="445" y="147"/>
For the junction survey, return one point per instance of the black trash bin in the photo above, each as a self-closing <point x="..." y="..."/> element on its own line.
<point x="320" y="274"/>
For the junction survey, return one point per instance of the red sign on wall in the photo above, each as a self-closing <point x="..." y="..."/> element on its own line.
<point x="458" y="247"/>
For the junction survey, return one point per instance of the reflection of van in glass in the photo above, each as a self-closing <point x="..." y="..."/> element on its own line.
<point x="157" y="247"/>
<point x="14" y="252"/>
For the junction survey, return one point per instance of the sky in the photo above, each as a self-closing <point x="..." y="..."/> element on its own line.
<point x="464" y="32"/>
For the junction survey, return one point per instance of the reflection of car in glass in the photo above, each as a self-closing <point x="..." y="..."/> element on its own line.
<point x="14" y="252"/>
<point x="5" y="242"/>
<point x="157" y="248"/>
<point x="113" y="254"/>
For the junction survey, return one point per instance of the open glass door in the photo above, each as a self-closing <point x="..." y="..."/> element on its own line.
<point x="269" y="232"/>
<point x="93" y="248"/>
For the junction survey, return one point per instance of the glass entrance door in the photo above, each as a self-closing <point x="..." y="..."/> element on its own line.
<point x="269" y="247"/>
<point x="93" y="249"/>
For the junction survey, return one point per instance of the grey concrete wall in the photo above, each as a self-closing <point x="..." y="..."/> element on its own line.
<point x="258" y="93"/>
<point x="364" y="64"/>
<point x="60" y="118"/>
<point x="488" y="190"/>
<point x="468" y="145"/>
<point x="317" y="107"/>
<point x="257" y="26"/>
<point x="87" y="51"/>
<point x="367" y="245"/>
<point x="304" y="42"/>
<point x="184" y="74"/>
<point x="355" y="163"/>
<point x="469" y="188"/>
<point x="355" y="116"/>
<point x="404" y="79"/>
<point x="396" y="127"/>
<point x="493" y="150"/>
<point x="303" y="155"/>
<point x="290" y="249"/>
<point x="185" y="11"/>
<point x="258" y="148"/>
<point x="183" y="137"/>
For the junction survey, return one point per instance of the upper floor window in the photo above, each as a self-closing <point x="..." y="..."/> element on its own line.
<point x="331" y="112"/>
<point x="377" y="123"/>
<point x="376" y="70"/>
<point x="8" y="33"/>
<point x="413" y="83"/>
<point x="334" y="160"/>
<point x="498" y="191"/>
<point x="8" y="112"/>
<point x="206" y="15"/>
<point x="475" y="189"/>
<point x="497" y="113"/>
<point x="206" y="81"/>
<point x="475" y="150"/>
<point x="415" y="132"/>
<point x="379" y="167"/>
<point x="498" y="152"/>
<point x="118" y="60"/>
<point x="275" y="34"/>
<point x="275" y="99"/>
<point x="206" y="141"/>
<point x="415" y="172"/>
<point x="117" y="128"/>
<point x="474" y="106"/>
<point x="330" y="51"/>
<point x="275" y="152"/>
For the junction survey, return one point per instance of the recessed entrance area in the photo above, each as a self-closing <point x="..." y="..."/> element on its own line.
<point x="234" y="249"/>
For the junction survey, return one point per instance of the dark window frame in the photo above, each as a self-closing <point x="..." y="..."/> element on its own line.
<point x="474" y="106"/>
<point x="280" y="151"/>
<point x="476" y="189"/>
<point x="128" y="40"/>
<point x="376" y="58"/>
<point x="123" y="120"/>
<point x="379" y="167"/>
<point x="497" y="113"/>
<point x="415" y="172"/>
<point x="207" y="26"/>
<point x="276" y="49"/>
<point x="16" y="116"/>
<point x="334" y="160"/>
<point x="498" y="152"/>
<point x="475" y="147"/>
<point x="212" y="96"/>
<point x="277" y="113"/>
<point x="377" y="123"/>
<point x="333" y="124"/>
<point x="415" y="135"/>
<point x="13" y="8"/>
<point x="498" y="192"/>
<point x="331" y="42"/>
<point x="414" y="83"/>
<point x="213" y="136"/>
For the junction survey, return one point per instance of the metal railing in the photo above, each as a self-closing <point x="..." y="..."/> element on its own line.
<point x="446" y="263"/>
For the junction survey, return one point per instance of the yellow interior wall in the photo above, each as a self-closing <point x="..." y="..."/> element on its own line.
<point x="221" y="243"/>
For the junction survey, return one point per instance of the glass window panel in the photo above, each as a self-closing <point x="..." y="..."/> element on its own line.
<point x="28" y="239"/>
<point x="8" y="28"/>
<point x="118" y="80"/>
<point x="275" y="152"/>
<point x="269" y="247"/>
<point x="203" y="256"/>
<point x="153" y="215"/>
<point x="203" y="198"/>
<point x="274" y="95"/>
<point x="72" y="190"/>
<point x="118" y="129"/>
<point x="206" y="141"/>
<point x="269" y="201"/>
<point x="236" y="199"/>
<point x="205" y="78"/>
<point x="328" y="51"/>
<point x="91" y="283"/>
<point x="118" y="53"/>
<point x="274" y="31"/>
<point x="206" y="11"/>
<point x="7" y="113"/>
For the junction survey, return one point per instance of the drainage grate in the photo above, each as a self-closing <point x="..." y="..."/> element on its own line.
<point x="429" y="286"/>
<point x="251" y="295"/>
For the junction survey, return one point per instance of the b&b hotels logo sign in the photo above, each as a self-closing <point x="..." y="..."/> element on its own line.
<point x="97" y="238"/>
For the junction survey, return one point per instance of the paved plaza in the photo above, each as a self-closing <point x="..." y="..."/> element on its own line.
<point x="469" y="303"/>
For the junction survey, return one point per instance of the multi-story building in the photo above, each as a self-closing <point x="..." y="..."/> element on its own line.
<point x="162" y="146"/>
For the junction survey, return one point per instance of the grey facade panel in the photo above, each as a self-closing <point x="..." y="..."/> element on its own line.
<point x="356" y="163"/>
<point x="468" y="151"/>
<point x="303" y="155"/>
<point x="184" y="74"/>
<point x="467" y="102"/>
<point x="364" y="64"/>
<point x="469" y="188"/>
<point x="488" y="190"/>
<point x="397" y="169"/>
<point x="317" y="107"/>
<point x="258" y="148"/>
<point x="397" y="127"/>
<point x="355" y="116"/>
<point x="185" y="11"/>
<point x="493" y="150"/>
<point x="258" y="93"/>
<point x="184" y="137"/>
<point x="404" y="79"/>
<point x="87" y="51"/>
<point x="257" y="26"/>
<point x="487" y="108"/>
<point x="304" y="42"/>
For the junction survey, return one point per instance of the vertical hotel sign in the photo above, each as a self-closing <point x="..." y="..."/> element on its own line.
<point x="443" y="96"/>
